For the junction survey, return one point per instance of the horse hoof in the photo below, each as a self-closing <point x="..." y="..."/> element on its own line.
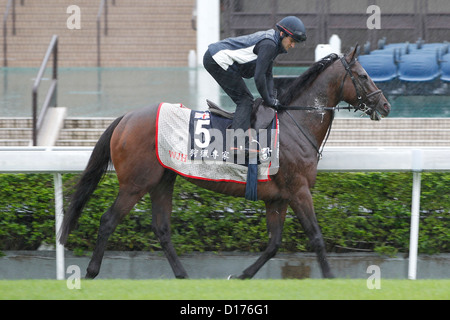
<point x="231" y="276"/>
<point x="89" y="276"/>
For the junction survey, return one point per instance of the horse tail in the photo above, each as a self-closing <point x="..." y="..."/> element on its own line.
<point x="96" y="168"/>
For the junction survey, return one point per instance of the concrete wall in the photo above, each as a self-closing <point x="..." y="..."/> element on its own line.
<point x="144" y="265"/>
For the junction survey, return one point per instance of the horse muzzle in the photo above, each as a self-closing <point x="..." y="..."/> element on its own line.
<point x="380" y="112"/>
<point x="381" y="108"/>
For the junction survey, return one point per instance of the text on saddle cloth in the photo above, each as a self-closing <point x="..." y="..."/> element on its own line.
<point x="212" y="140"/>
<point x="197" y="144"/>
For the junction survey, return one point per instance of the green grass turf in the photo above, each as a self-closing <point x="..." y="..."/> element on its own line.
<point x="225" y="290"/>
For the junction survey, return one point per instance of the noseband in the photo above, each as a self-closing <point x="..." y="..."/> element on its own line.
<point x="361" y="103"/>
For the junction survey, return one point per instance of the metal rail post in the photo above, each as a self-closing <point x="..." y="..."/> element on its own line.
<point x="415" y="214"/>
<point x="59" y="215"/>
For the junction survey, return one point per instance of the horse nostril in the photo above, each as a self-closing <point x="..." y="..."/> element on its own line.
<point x="387" y="106"/>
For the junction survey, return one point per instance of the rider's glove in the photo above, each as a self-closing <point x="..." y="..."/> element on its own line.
<point x="275" y="104"/>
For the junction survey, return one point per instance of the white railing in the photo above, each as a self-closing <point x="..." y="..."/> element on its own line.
<point x="59" y="160"/>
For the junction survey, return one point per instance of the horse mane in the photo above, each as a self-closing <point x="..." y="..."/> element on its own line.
<point x="306" y="79"/>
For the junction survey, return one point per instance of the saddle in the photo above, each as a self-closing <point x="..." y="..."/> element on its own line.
<point x="262" y="116"/>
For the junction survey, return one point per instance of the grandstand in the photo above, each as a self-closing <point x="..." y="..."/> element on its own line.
<point x="136" y="34"/>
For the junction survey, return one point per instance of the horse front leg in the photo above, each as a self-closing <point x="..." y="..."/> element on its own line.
<point x="275" y="215"/>
<point x="303" y="207"/>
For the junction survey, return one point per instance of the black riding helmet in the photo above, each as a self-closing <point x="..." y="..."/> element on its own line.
<point x="293" y="27"/>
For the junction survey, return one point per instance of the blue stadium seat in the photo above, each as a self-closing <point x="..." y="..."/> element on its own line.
<point x="401" y="48"/>
<point x="436" y="45"/>
<point x="401" y="45"/>
<point x="418" y="67"/>
<point x="437" y="48"/>
<point x="436" y="51"/>
<point x="384" y="52"/>
<point x="381" y="68"/>
<point x="395" y="52"/>
<point x="445" y="68"/>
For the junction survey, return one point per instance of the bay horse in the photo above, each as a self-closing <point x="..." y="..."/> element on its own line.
<point x="310" y="102"/>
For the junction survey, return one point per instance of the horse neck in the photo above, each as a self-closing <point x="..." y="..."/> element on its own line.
<point x="322" y="92"/>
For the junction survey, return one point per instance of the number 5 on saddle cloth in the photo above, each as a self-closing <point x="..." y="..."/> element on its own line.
<point x="199" y="145"/>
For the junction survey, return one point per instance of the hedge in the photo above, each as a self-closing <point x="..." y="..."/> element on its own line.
<point x="356" y="212"/>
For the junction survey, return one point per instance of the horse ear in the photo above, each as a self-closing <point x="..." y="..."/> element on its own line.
<point x="354" y="53"/>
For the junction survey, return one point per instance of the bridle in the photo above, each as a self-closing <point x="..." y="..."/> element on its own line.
<point x="361" y="99"/>
<point x="361" y="104"/>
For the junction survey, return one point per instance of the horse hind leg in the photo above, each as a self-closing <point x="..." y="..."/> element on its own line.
<point x="275" y="215"/>
<point x="108" y="223"/>
<point x="161" y="197"/>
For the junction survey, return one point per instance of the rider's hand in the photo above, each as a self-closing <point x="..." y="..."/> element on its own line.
<point x="275" y="104"/>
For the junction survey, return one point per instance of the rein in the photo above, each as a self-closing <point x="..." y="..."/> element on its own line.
<point x="282" y="108"/>
<point x="319" y="151"/>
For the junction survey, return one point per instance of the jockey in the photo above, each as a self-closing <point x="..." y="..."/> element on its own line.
<point x="232" y="59"/>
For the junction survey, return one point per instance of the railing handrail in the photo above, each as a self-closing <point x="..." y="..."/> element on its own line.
<point x="103" y="6"/>
<point x="51" y="94"/>
<point x="55" y="159"/>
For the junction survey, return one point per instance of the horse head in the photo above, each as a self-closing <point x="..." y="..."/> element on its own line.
<point x="358" y="89"/>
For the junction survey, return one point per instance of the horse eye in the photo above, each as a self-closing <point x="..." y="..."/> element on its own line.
<point x="363" y="76"/>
